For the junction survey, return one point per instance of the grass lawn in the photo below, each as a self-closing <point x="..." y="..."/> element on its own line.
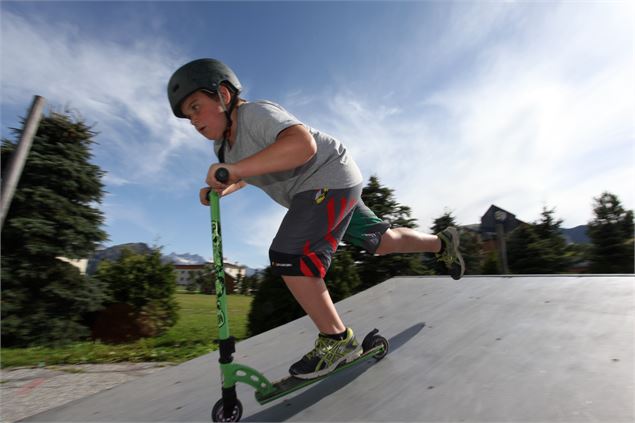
<point x="192" y="336"/>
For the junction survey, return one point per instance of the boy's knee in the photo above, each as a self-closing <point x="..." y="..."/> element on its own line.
<point x="387" y="242"/>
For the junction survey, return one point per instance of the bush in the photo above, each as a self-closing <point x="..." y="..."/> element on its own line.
<point x="141" y="290"/>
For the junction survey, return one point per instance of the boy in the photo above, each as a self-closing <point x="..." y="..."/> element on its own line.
<point x="314" y="177"/>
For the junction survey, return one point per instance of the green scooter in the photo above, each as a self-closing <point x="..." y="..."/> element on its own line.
<point x="229" y="408"/>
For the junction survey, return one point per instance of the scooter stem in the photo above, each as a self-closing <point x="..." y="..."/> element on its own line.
<point x="221" y="291"/>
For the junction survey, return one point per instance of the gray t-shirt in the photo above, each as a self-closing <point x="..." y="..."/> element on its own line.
<point x="259" y="124"/>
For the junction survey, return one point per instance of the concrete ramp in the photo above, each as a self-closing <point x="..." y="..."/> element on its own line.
<point x="483" y="349"/>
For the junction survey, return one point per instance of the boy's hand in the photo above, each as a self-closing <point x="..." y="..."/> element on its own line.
<point x="220" y="186"/>
<point x="203" y="196"/>
<point x="233" y="184"/>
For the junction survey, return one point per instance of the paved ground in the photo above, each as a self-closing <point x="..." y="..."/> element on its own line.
<point x="28" y="391"/>
<point x="490" y="349"/>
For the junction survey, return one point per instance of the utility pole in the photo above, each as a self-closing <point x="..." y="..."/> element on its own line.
<point x="18" y="158"/>
<point x="501" y="217"/>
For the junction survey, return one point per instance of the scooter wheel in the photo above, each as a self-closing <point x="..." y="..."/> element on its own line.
<point x="218" y="413"/>
<point x="380" y="340"/>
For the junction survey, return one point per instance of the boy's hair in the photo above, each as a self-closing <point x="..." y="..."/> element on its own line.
<point x="202" y="74"/>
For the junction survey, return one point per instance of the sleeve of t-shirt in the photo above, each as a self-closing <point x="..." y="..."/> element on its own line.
<point x="266" y="120"/>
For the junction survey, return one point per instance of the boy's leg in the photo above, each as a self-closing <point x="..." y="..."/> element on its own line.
<point x="336" y="343"/>
<point x="406" y="240"/>
<point x="311" y="293"/>
<point x="369" y="232"/>
<point x="445" y="244"/>
<point x="301" y="254"/>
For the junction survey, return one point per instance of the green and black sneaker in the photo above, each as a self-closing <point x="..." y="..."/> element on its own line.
<point x="450" y="254"/>
<point x="327" y="355"/>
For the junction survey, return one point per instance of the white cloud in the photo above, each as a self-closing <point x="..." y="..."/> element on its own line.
<point x="121" y="87"/>
<point x="543" y="118"/>
<point x="120" y="213"/>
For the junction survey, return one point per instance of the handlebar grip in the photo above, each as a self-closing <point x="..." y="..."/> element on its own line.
<point x="222" y="175"/>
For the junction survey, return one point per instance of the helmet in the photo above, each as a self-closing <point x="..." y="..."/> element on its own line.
<point x="201" y="74"/>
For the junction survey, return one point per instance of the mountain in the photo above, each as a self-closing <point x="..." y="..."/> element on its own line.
<point x="577" y="235"/>
<point x="251" y="272"/>
<point x="113" y="253"/>
<point x="185" y="258"/>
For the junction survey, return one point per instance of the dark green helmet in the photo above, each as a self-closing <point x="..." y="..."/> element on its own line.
<point x="201" y="74"/>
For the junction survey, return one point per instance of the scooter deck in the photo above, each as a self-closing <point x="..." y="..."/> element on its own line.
<point x="290" y="384"/>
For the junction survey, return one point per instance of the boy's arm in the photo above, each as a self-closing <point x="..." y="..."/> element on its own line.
<point x="233" y="188"/>
<point x="293" y="147"/>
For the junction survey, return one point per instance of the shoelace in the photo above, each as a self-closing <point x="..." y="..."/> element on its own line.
<point x="446" y="258"/>
<point x="321" y="346"/>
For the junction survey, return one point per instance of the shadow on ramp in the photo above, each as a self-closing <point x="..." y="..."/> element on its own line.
<point x="289" y="408"/>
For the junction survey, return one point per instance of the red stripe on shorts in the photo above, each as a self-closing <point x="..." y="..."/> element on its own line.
<point x="314" y="259"/>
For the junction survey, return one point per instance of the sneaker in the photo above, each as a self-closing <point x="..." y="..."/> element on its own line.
<point x="451" y="255"/>
<point x="327" y="355"/>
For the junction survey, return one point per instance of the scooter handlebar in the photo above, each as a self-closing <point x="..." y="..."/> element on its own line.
<point x="222" y="175"/>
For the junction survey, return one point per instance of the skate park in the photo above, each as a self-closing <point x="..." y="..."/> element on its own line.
<point x="482" y="349"/>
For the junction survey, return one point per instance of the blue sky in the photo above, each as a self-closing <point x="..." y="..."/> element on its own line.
<point x="454" y="105"/>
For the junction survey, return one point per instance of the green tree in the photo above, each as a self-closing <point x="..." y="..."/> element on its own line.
<point x="472" y="251"/>
<point x="273" y="304"/>
<point x="53" y="214"/>
<point x="250" y="284"/>
<point x="342" y="279"/>
<point x="490" y="264"/>
<point x="373" y="270"/>
<point x="611" y="233"/>
<point x="144" y="284"/>
<point x="204" y="279"/>
<point x="539" y="248"/>
<point x="524" y="251"/>
<point x="444" y="221"/>
<point x="192" y="285"/>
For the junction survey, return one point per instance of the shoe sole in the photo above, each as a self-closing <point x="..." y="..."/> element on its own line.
<point x="346" y="359"/>
<point x="456" y="240"/>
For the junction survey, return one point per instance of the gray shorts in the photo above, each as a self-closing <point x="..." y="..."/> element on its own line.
<point x="317" y="221"/>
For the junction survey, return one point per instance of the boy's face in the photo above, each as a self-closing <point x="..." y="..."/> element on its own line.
<point x="206" y="114"/>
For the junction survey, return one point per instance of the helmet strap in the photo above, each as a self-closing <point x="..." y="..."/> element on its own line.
<point x="228" y="115"/>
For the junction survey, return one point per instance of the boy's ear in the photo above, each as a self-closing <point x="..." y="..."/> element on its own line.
<point x="225" y="92"/>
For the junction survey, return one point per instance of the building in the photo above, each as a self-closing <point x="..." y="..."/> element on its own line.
<point x="233" y="273"/>
<point x="496" y="221"/>
<point x="237" y="271"/>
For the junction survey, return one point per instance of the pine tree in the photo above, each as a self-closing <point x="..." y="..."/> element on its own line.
<point x="342" y="279"/>
<point x="471" y="249"/>
<point x="273" y="304"/>
<point x="490" y="265"/>
<point x="524" y="252"/>
<point x="538" y="248"/>
<point x="53" y="214"/>
<point x="611" y="233"/>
